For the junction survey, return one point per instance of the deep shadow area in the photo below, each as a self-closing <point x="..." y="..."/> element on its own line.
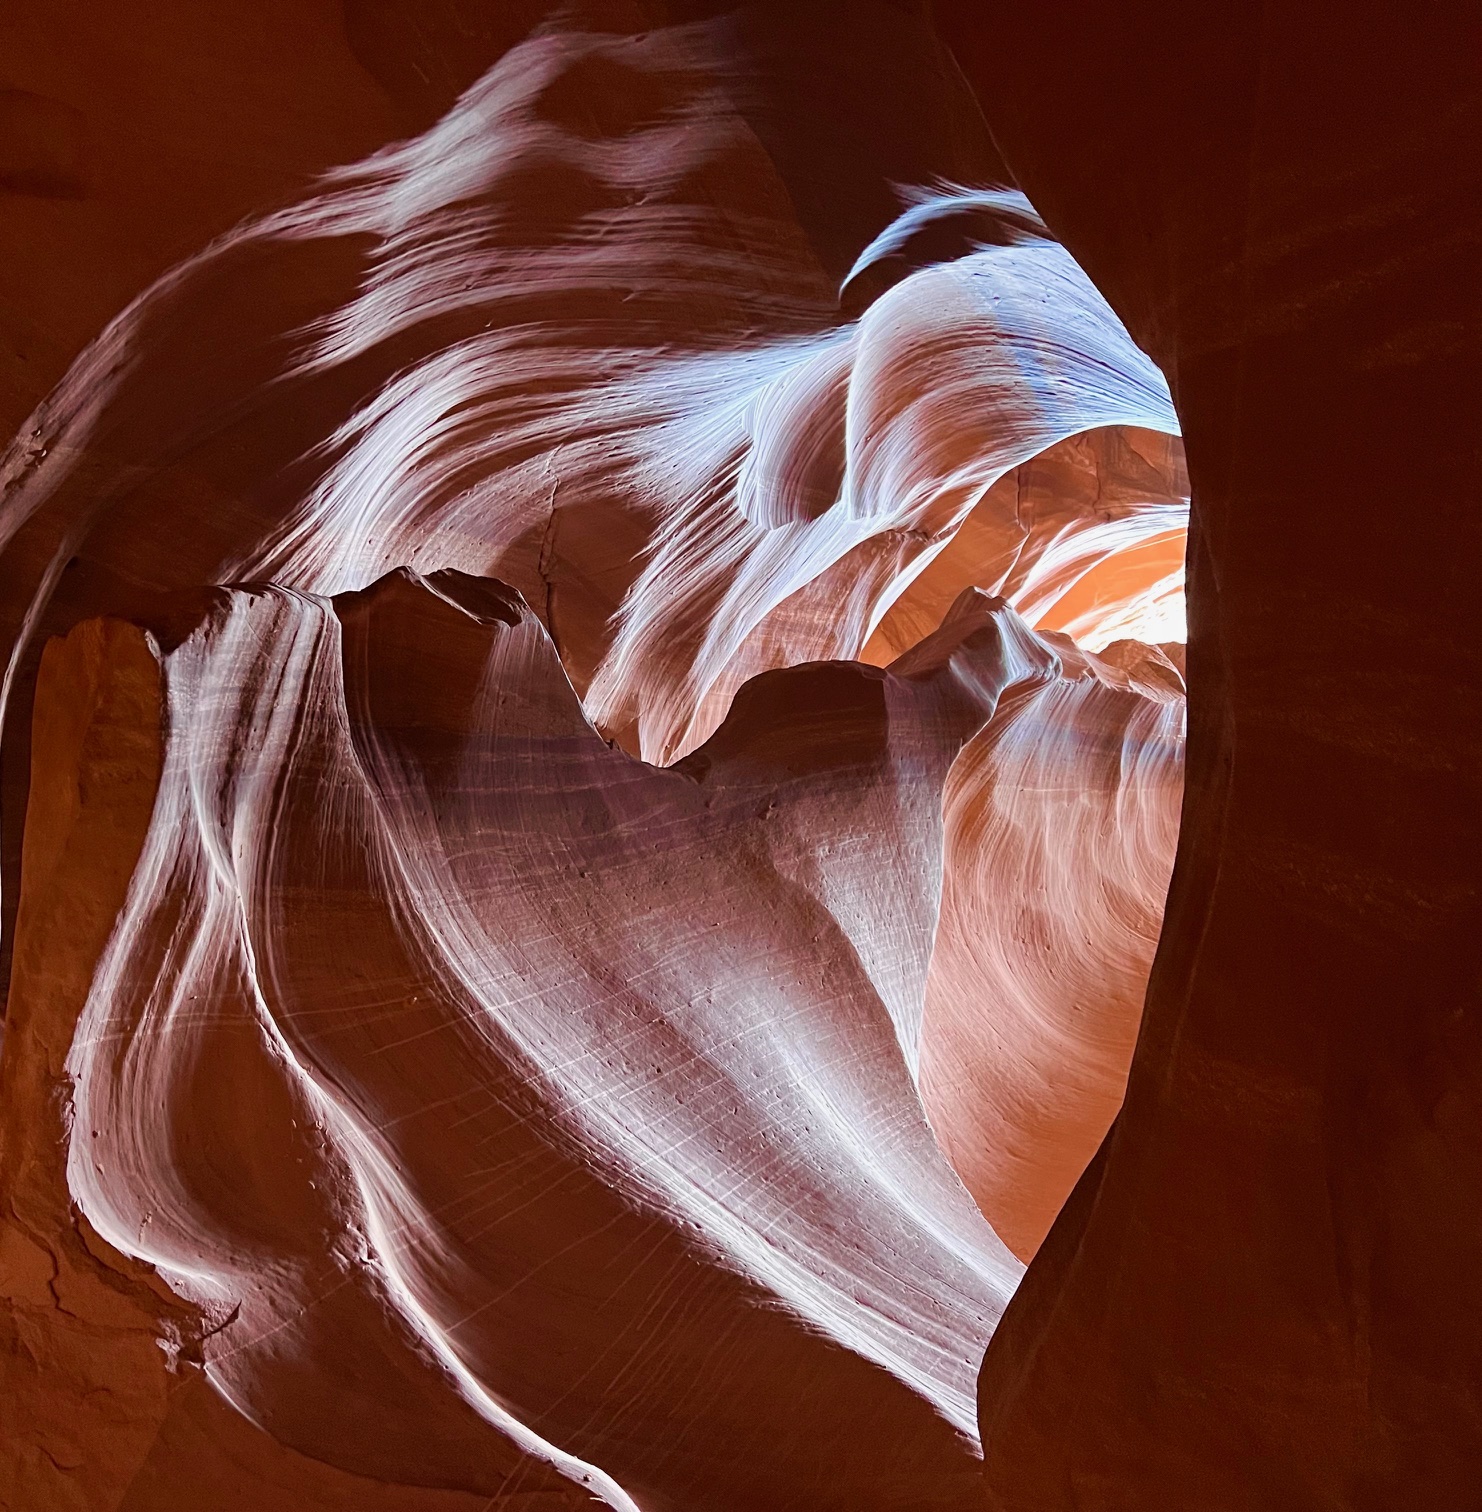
<point x="1262" y="1290"/>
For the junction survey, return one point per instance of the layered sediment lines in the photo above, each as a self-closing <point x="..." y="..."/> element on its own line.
<point x="631" y="854"/>
<point x="493" y="1097"/>
<point x="573" y="336"/>
<point x="1062" y="819"/>
<point x="501" y="1092"/>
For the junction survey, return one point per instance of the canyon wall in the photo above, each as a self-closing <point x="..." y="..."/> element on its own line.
<point x="553" y="569"/>
<point x="1262" y="1292"/>
<point x="594" y="742"/>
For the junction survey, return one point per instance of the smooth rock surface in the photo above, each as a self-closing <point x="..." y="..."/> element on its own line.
<point x="473" y="1079"/>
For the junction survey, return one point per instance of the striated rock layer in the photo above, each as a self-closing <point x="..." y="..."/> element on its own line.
<point x="493" y="1097"/>
<point x="481" y="1078"/>
<point x="1062" y="816"/>
<point x="479" y="1114"/>
<point x="583" y="830"/>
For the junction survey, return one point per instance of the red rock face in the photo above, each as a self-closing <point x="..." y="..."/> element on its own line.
<point x="477" y="1077"/>
<point x="461" y="1076"/>
<point x="593" y="742"/>
<point x="1061" y="818"/>
<point x="488" y="1109"/>
<point x="1261" y="1294"/>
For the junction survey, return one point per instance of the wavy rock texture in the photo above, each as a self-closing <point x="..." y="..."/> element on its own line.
<point x="484" y="1078"/>
<point x="476" y="1079"/>
<point x="655" y="428"/>
<point x="472" y="1079"/>
<point x="503" y="1053"/>
<point x="1062" y="817"/>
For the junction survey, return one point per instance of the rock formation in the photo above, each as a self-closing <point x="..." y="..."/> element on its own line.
<point x="474" y="1077"/>
<point x="1061" y="821"/>
<point x="1261" y="1294"/>
<point x="593" y="744"/>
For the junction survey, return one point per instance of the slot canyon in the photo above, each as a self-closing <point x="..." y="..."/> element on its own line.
<point x="739" y="756"/>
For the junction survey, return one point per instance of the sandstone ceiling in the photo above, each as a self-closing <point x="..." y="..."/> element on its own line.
<point x="594" y="740"/>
